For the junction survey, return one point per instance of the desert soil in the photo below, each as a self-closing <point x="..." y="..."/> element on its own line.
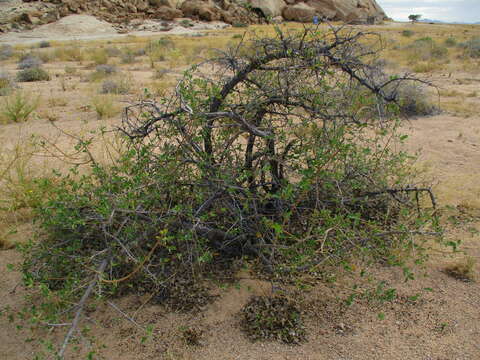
<point x="442" y="324"/>
<point x="86" y="27"/>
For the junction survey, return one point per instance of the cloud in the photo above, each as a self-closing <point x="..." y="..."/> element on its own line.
<point x="445" y="10"/>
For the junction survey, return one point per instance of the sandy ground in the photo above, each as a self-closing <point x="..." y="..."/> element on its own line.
<point x="86" y="27"/>
<point x="443" y="324"/>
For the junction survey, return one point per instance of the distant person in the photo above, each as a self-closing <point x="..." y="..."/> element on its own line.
<point x="316" y="20"/>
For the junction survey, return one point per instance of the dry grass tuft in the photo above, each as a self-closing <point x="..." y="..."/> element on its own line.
<point x="463" y="270"/>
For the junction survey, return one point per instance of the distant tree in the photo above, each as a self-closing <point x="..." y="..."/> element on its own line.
<point x="414" y="18"/>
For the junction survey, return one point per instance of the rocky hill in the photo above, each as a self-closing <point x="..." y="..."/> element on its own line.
<point x="21" y="14"/>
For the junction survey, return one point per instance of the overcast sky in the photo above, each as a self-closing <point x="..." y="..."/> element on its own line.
<point x="445" y="10"/>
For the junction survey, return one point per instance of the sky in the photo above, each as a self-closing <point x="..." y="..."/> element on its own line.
<point x="444" y="10"/>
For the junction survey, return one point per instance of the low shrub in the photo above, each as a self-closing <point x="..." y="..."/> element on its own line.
<point x="102" y="71"/>
<point x="450" y="42"/>
<point x="119" y="86"/>
<point x="407" y="33"/>
<point x="29" y="61"/>
<point x="472" y="47"/>
<point x="106" y="69"/>
<point x="44" y="44"/>
<point x="33" y="74"/>
<point x="113" y="51"/>
<point x="414" y="101"/>
<point x="6" y="52"/>
<point x="128" y="57"/>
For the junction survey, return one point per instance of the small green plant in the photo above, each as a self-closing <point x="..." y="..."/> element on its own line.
<point x="407" y="33"/>
<point x="33" y="74"/>
<point x="239" y="25"/>
<point x="18" y="107"/>
<point x="186" y="23"/>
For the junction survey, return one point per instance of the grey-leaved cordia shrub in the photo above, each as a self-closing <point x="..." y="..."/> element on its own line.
<point x="266" y="154"/>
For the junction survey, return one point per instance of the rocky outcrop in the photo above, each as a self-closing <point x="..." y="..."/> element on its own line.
<point x="269" y="8"/>
<point x="301" y="12"/>
<point x="343" y="10"/>
<point x="38" y="12"/>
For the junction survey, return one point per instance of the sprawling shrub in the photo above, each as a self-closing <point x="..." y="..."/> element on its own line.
<point x="260" y="154"/>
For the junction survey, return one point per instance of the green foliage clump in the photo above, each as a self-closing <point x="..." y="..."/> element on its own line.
<point x="33" y="74"/>
<point x="408" y="33"/>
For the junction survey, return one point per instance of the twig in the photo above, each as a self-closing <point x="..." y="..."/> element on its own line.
<point x="125" y="315"/>
<point x="80" y="306"/>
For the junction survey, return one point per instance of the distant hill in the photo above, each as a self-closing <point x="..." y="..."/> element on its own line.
<point x="430" y="21"/>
